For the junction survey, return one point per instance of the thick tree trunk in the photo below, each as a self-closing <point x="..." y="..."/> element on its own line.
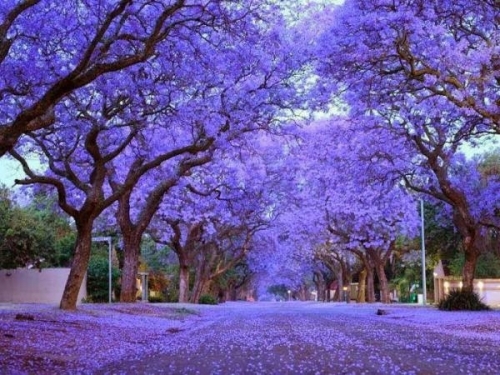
<point x="361" y="297"/>
<point x="468" y="227"/>
<point x="368" y="269"/>
<point x="131" y="249"/>
<point x="200" y="281"/>
<point x="302" y="293"/>
<point x="183" y="283"/>
<point x="370" y="284"/>
<point x="336" y="295"/>
<point x="469" y="270"/>
<point x="346" y="281"/>
<point x="78" y="267"/>
<point x="197" y="290"/>
<point x="132" y="235"/>
<point x="339" y="296"/>
<point x="384" y="284"/>
<point x="231" y="294"/>
<point x="319" y="282"/>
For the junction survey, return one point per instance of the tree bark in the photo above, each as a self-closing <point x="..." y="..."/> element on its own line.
<point x="183" y="283"/>
<point x="201" y="278"/>
<point x="469" y="270"/>
<point x="368" y="267"/>
<point x="346" y="281"/>
<point x="320" y="283"/>
<point x="78" y="267"/>
<point x="384" y="284"/>
<point x="131" y="249"/>
<point x="361" y="297"/>
<point x="339" y="296"/>
<point x="197" y="290"/>
<point x="133" y="232"/>
<point x="463" y="219"/>
<point x="370" y="284"/>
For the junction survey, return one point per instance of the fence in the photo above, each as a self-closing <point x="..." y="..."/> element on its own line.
<point x="24" y="285"/>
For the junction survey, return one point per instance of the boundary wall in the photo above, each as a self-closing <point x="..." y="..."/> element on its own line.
<point x="24" y="285"/>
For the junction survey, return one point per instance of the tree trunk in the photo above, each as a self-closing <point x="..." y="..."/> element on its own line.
<point x="346" y="281"/>
<point x="131" y="250"/>
<point x="197" y="290"/>
<point x="370" y="284"/>
<point x="473" y="241"/>
<point x="183" y="283"/>
<point x="384" y="284"/>
<point x="469" y="270"/>
<point x="361" y="297"/>
<point x="302" y="293"/>
<point x="340" y="281"/>
<point x="201" y="278"/>
<point x="132" y="234"/>
<point x="320" y="283"/>
<point x="231" y="294"/>
<point x="78" y="267"/>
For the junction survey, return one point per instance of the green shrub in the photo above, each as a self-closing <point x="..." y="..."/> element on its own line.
<point x="98" y="280"/>
<point x="156" y="299"/>
<point x="172" y="295"/>
<point x="207" y="299"/>
<point x="462" y="300"/>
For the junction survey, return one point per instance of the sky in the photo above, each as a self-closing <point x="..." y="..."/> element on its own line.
<point x="9" y="171"/>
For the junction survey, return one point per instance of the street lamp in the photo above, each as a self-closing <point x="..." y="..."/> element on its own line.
<point x="345" y="293"/>
<point x="424" y="282"/>
<point x="108" y="240"/>
<point x="289" y="295"/>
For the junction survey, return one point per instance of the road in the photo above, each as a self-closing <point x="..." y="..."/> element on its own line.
<point x="298" y="338"/>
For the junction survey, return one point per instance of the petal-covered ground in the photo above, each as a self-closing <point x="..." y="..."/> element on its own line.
<point x="248" y="338"/>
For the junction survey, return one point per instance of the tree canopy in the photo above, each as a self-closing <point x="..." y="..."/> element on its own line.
<point x="291" y="140"/>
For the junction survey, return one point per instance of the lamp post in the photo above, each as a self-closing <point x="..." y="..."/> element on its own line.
<point x="424" y="282"/>
<point x="108" y="240"/>
<point x="345" y="293"/>
<point x="289" y="295"/>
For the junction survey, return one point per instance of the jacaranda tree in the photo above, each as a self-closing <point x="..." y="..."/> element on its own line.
<point x="210" y="72"/>
<point x="428" y="75"/>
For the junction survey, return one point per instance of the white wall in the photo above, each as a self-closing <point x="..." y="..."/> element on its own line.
<point x="24" y="285"/>
<point x="487" y="289"/>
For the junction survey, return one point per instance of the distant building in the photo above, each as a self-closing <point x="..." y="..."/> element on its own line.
<point x="487" y="289"/>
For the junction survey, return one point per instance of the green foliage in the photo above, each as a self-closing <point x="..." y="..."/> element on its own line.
<point x="207" y="299"/>
<point x="279" y="291"/>
<point x="488" y="266"/>
<point x="36" y="235"/>
<point x="441" y="238"/>
<point x="462" y="300"/>
<point x="156" y="299"/>
<point x="227" y="284"/>
<point x="63" y="250"/>
<point x="441" y="242"/>
<point x="234" y="277"/>
<point x="402" y="285"/>
<point x="98" y="279"/>
<point x="163" y="273"/>
<point x="158" y="283"/>
<point x="155" y="257"/>
<point x="171" y="292"/>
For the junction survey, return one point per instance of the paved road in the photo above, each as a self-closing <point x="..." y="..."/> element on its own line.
<point x="297" y="338"/>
